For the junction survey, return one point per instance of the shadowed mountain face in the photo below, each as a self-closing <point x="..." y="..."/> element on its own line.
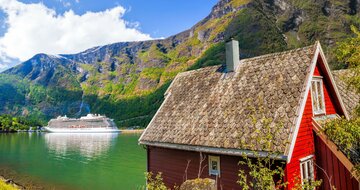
<point x="126" y="80"/>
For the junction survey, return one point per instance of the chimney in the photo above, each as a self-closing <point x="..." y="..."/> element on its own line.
<point x="232" y="55"/>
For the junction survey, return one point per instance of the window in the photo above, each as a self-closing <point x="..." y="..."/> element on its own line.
<point x="317" y="96"/>
<point x="307" y="169"/>
<point x="214" y="165"/>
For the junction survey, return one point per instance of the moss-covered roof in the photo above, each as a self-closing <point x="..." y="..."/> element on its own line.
<point x="210" y="108"/>
<point x="348" y="94"/>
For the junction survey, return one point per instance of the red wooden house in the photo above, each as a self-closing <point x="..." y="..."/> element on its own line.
<point x="207" y="116"/>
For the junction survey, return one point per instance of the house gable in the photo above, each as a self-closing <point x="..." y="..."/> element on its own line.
<point x="303" y="141"/>
<point x="319" y="67"/>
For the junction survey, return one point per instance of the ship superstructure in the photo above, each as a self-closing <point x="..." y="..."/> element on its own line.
<point x="92" y="123"/>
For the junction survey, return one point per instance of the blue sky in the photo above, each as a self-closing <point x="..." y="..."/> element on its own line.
<point x="159" y="18"/>
<point x="29" y="27"/>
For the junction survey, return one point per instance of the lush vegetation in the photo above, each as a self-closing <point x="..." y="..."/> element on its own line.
<point x="134" y="111"/>
<point x="4" y="186"/>
<point x="12" y="124"/>
<point x="21" y="97"/>
<point x="154" y="182"/>
<point x="346" y="133"/>
<point x="348" y="53"/>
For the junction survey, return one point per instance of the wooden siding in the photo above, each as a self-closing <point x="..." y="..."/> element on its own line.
<point x="339" y="175"/>
<point x="173" y="163"/>
<point x="304" y="144"/>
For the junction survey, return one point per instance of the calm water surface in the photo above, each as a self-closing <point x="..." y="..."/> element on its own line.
<point x="73" y="161"/>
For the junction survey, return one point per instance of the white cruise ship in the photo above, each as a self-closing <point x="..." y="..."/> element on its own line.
<point x="92" y="123"/>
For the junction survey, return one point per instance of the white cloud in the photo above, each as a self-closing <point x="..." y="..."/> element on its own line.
<point x="35" y="28"/>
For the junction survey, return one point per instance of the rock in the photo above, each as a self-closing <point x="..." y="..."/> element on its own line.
<point x="9" y="181"/>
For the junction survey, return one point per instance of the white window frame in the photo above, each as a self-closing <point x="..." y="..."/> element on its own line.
<point x="317" y="110"/>
<point x="309" y="163"/>
<point x="215" y="172"/>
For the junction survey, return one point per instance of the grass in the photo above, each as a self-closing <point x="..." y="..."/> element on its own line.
<point x="4" y="186"/>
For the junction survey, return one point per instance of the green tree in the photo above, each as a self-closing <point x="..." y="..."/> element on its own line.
<point x="11" y="124"/>
<point x="348" y="53"/>
<point x="155" y="182"/>
<point x="346" y="133"/>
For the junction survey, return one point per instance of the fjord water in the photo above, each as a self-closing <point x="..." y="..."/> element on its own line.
<point x="73" y="161"/>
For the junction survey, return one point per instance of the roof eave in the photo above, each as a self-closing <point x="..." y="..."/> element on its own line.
<point x="216" y="150"/>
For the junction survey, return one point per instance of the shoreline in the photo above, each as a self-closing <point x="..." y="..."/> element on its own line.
<point x="11" y="183"/>
<point x="131" y="131"/>
<point x="124" y="131"/>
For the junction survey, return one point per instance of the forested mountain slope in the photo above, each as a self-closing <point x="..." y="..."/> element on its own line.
<point x="126" y="81"/>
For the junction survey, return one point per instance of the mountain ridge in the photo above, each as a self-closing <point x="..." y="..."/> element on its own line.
<point x="114" y="79"/>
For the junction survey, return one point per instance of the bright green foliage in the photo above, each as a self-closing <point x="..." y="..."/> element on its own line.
<point x="12" y="90"/>
<point x="4" y="186"/>
<point x="213" y="56"/>
<point x="133" y="111"/>
<point x="21" y="97"/>
<point x="156" y="51"/>
<point x="262" y="171"/>
<point x="238" y="3"/>
<point x="154" y="182"/>
<point x="346" y="135"/>
<point x="37" y="94"/>
<point x="348" y="51"/>
<point x="11" y="124"/>
<point x="306" y="185"/>
<point x="152" y="73"/>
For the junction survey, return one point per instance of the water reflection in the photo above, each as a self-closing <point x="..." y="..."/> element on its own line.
<point x="89" y="145"/>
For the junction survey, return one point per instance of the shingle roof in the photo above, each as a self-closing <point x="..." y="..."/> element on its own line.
<point x="210" y="108"/>
<point x="348" y="94"/>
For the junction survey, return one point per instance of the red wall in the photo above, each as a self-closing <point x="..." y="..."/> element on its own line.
<point x="337" y="172"/>
<point x="304" y="144"/>
<point x="172" y="163"/>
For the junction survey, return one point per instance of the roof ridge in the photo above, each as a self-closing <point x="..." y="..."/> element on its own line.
<point x="185" y="73"/>
<point x="279" y="53"/>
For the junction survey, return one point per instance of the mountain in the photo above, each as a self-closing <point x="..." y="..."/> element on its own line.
<point x="126" y="80"/>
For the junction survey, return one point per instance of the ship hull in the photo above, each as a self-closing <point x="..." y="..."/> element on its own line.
<point x="81" y="130"/>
